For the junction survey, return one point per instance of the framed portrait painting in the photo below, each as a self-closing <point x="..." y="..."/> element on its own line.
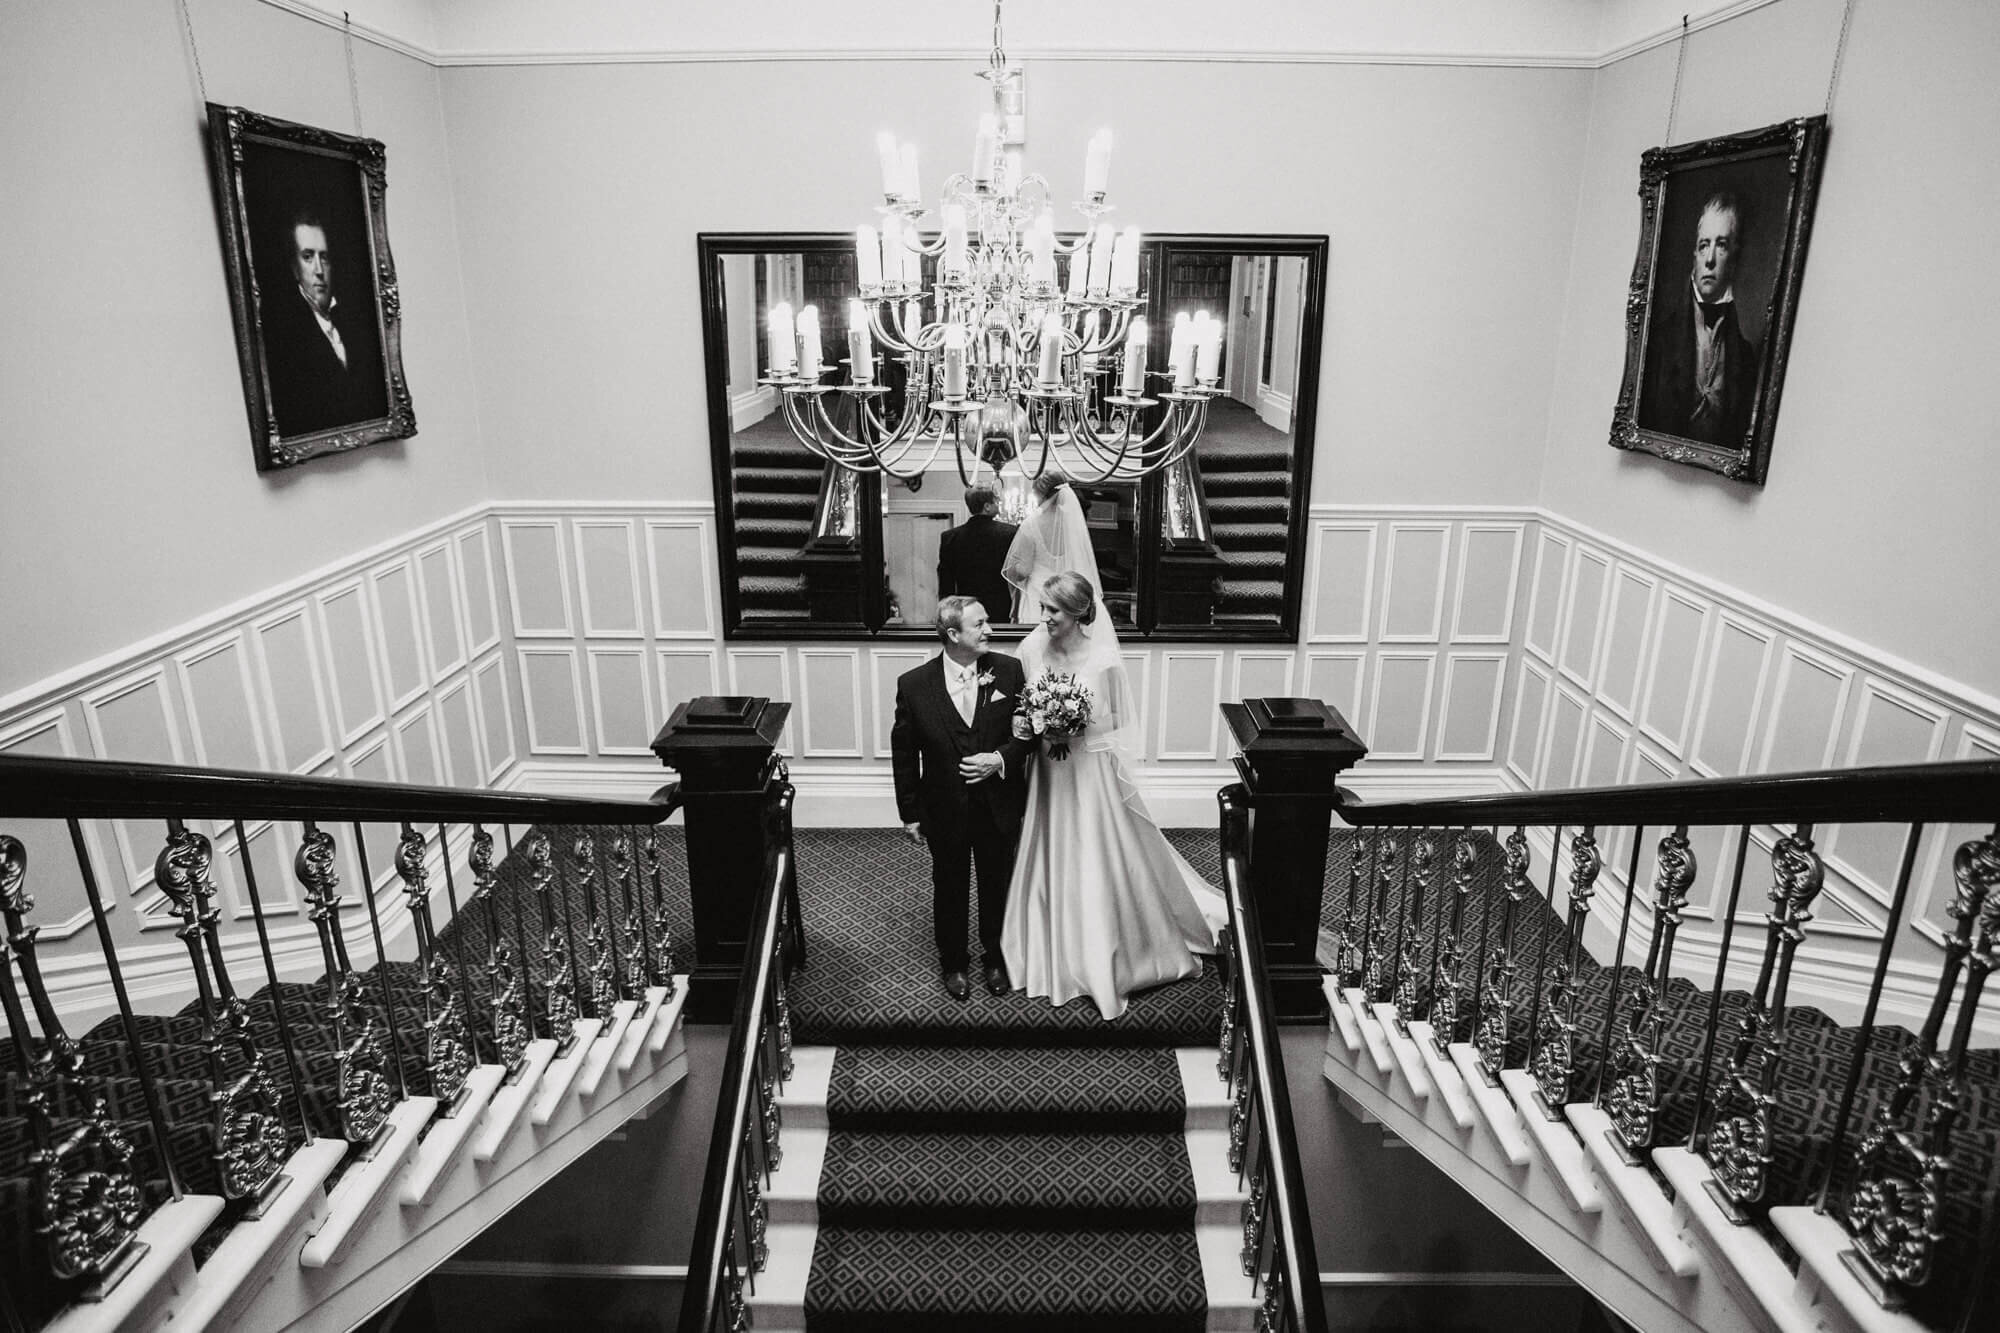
<point x="1708" y="322"/>
<point x="312" y="286"/>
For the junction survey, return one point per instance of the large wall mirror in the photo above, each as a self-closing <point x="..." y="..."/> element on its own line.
<point x="1212" y="548"/>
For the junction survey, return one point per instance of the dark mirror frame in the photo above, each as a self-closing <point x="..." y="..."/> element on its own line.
<point x="871" y="599"/>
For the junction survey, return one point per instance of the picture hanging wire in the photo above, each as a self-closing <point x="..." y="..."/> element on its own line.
<point x="353" y="87"/>
<point x="194" y="49"/>
<point x="1839" y="56"/>
<point x="1680" y="59"/>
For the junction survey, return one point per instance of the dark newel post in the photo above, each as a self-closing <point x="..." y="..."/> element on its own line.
<point x="726" y="753"/>
<point x="1290" y="753"/>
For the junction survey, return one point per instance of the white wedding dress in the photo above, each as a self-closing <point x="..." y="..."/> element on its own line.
<point x="1100" y="903"/>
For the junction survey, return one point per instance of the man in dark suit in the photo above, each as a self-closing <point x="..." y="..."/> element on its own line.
<point x="961" y="783"/>
<point x="1702" y="370"/>
<point x="324" y="359"/>
<point x="970" y="555"/>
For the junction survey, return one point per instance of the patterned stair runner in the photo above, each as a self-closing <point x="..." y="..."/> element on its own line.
<point x="997" y="1164"/>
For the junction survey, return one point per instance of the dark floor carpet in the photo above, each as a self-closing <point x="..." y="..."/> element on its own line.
<point x="997" y="1164"/>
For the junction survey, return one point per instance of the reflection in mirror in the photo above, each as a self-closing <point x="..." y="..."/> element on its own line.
<point x="1225" y="532"/>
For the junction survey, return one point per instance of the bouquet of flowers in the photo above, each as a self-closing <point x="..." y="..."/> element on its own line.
<point x="1057" y="706"/>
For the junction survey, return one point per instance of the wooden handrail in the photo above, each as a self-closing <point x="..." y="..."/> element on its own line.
<point x="43" y="787"/>
<point x="1287" y="1200"/>
<point x="708" y="1259"/>
<point x="1961" y="792"/>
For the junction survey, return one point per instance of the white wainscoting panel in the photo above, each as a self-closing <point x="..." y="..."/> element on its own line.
<point x="1531" y="703"/>
<point x="53" y="877"/>
<point x="221" y="704"/>
<point x="459" y="725"/>
<point x="496" y="716"/>
<point x="1414" y="582"/>
<point x="416" y="739"/>
<point x="766" y="672"/>
<point x="444" y="617"/>
<point x="885" y="665"/>
<point x="1139" y="674"/>
<point x="1546" y="591"/>
<point x="1336" y="678"/>
<point x="830" y="702"/>
<point x="1567" y="713"/>
<point x="537" y="577"/>
<point x="1190" y="701"/>
<point x="1341" y="583"/>
<point x="1489" y="576"/>
<point x="1624" y="659"/>
<point x="293" y="683"/>
<point x="132" y="718"/>
<point x="1732" y="692"/>
<point x="1808" y="704"/>
<point x="1469" y="716"/>
<point x="607" y="576"/>
<point x="348" y="631"/>
<point x="1679" y="633"/>
<point x="1399" y="707"/>
<point x="482" y="602"/>
<point x="1261" y="675"/>
<point x="682" y="578"/>
<point x="1583" y="615"/>
<point x="399" y="632"/>
<point x="621" y="706"/>
<point x="685" y="673"/>
<point x="552" y="700"/>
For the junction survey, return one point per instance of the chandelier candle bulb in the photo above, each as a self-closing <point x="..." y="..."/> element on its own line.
<point x="954" y="361"/>
<point x="1042" y="250"/>
<point x="910" y="254"/>
<point x="1079" y="269"/>
<point x="913" y="319"/>
<point x="907" y="164"/>
<point x="860" y="345"/>
<point x="1125" y="263"/>
<point x="784" y="340"/>
<point x="1208" y="351"/>
<point x="1180" y="351"/>
<point x="985" y="149"/>
<point x="809" y="350"/>
<point x="892" y="164"/>
<point x="867" y="257"/>
<point x="954" y="240"/>
<point x="1100" y="259"/>
<point x="1050" y="369"/>
<point x="1097" y="165"/>
<point x="890" y="263"/>
<point x="1134" y="385"/>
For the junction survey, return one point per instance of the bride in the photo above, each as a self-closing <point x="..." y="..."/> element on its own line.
<point x="1100" y="903"/>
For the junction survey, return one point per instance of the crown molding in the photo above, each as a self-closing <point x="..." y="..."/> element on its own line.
<point x="1545" y="59"/>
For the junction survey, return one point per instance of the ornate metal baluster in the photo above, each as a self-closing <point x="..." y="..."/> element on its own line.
<point x="87" y="1201"/>
<point x="1447" y="979"/>
<point x="447" y="1045"/>
<point x="1352" y="929"/>
<point x="600" y="955"/>
<point x="1496" y="989"/>
<point x="753" y="1185"/>
<point x="1408" y="991"/>
<point x="1253" y="1224"/>
<point x="1739" y="1147"/>
<point x="1633" y="1104"/>
<point x="511" y="1032"/>
<point x="1555" y="1045"/>
<point x="361" y="1088"/>
<point x="1225" y="947"/>
<point x="662" y="965"/>
<point x="1271" y="1314"/>
<point x="1896" y="1211"/>
<point x="250" y="1143"/>
<point x="635" y="964"/>
<point x="1375" y="952"/>
<point x="558" y="969"/>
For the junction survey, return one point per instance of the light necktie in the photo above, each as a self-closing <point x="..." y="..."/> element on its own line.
<point x="964" y="692"/>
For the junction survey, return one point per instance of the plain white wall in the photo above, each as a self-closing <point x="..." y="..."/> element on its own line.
<point x="1877" y="517"/>
<point x="1447" y="193"/>
<point x="133" y="502"/>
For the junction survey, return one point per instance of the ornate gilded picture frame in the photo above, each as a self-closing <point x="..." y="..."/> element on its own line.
<point x="312" y="286"/>
<point x="1715" y="289"/>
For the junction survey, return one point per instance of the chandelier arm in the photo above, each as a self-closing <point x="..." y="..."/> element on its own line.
<point x="863" y="451"/>
<point x="890" y="335"/>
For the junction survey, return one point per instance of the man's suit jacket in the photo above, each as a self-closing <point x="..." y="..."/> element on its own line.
<point x="1668" y="398"/>
<point x="929" y="738"/>
<point x="310" y="389"/>
<point x="969" y="560"/>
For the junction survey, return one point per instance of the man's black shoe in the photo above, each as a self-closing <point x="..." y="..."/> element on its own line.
<point x="956" y="986"/>
<point x="996" y="979"/>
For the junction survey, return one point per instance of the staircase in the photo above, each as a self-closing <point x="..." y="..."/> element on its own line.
<point x="1249" y="506"/>
<point x="776" y="487"/>
<point x="1613" y="1114"/>
<point x="376" y="1119"/>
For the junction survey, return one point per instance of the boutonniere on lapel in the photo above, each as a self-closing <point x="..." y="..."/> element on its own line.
<point x="985" y="679"/>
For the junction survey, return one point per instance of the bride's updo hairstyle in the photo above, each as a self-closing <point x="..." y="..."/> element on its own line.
<point x="1070" y="591"/>
<point x="1047" y="484"/>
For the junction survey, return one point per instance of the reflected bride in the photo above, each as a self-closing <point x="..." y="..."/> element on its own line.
<point x="1100" y="904"/>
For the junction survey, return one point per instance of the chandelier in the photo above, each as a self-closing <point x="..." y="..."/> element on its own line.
<point x="999" y="358"/>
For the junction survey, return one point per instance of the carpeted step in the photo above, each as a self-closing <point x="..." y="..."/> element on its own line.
<point x="1244" y="596"/>
<point x="1266" y="484"/>
<point x="774" y="532"/>
<point x="1248" y="536"/>
<point x="1007" y="1088"/>
<point x="1266" y="458"/>
<point x="1248" y="509"/>
<point x="775" y="480"/>
<point x="1253" y="564"/>
<point x="976" y="1278"/>
<point x="771" y="561"/>
<point x="934" y="1178"/>
<point x="798" y="508"/>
